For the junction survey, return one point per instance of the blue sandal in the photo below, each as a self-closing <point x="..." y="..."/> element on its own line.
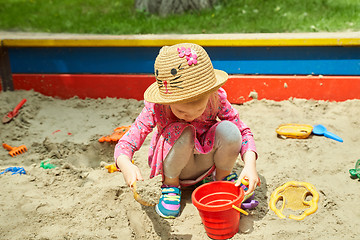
<point x="169" y="203"/>
<point x="232" y="177"/>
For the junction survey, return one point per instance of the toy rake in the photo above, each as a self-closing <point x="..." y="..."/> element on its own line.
<point x="13" y="151"/>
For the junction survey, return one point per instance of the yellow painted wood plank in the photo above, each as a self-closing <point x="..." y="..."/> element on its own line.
<point x="161" y="42"/>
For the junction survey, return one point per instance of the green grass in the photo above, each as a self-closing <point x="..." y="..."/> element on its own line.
<point x="232" y="16"/>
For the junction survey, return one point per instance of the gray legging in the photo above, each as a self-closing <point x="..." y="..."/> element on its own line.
<point x="183" y="162"/>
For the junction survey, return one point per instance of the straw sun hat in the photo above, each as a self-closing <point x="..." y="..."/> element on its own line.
<point x="183" y="73"/>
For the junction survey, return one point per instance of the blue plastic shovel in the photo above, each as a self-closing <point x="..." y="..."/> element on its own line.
<point x="321" y="130"/>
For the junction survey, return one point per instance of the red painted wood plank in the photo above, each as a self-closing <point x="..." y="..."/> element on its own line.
<point x="85" y="85"/>
<point x="332" y="88"/>
<point x="238" y="87"/>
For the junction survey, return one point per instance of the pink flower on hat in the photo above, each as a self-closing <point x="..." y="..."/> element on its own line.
<point x="192" y="59"/>
<point x="183" y="51"/>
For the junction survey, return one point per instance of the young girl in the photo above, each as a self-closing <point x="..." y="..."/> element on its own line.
<point x="198" y="133"/>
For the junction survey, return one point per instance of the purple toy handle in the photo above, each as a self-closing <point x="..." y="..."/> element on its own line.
<point x="250" y="203"/>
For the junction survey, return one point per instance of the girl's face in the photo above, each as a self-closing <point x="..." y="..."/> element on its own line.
<point x="191" y="110"/>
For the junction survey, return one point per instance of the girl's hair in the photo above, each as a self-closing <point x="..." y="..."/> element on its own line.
<point x="212" y="106"/>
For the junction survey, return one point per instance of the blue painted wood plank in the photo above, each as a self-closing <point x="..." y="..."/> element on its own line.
<point x="234" y="60"/>
<point x="82" y="60"/>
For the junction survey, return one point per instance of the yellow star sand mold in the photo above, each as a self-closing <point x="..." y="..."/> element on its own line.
<point x="293" y="195"/>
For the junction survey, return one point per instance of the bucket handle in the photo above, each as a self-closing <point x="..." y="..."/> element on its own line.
<point x="240" y="210"/>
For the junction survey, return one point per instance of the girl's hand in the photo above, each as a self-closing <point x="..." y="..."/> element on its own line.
<point x="249" y="172"/>
<point x="131" y="172"/>
<point x="252" y="177"/>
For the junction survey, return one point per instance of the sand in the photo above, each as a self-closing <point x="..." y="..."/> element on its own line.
<point x="79" y="199"/>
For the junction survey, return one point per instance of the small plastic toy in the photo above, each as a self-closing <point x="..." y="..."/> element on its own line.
<point x="14" y="170"/>
<point x="248" y="202"/>
<point x="321" y="130"/>
<point x="292" y="130"/>
<point x="8" y="117"/>
<point x="13" y="151"/>
<point x="112" y="168"/>
<point x="116" y="135"/>
<point x="138" y="198"/>
<point x="293" y="194"/>
<point x="355" y="173"/>
<point x="47" y="166"/>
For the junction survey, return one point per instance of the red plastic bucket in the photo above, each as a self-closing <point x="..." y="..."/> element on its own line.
<point x="214" y="202"/>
